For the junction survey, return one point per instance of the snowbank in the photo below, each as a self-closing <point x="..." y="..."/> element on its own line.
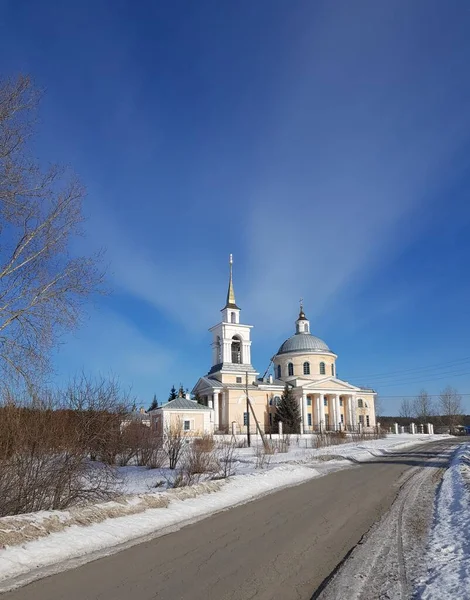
<point x="70" y="539"/>
<point x="448" y="554"/>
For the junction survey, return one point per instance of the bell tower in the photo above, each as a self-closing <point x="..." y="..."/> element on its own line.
<point x="231" y="343"/>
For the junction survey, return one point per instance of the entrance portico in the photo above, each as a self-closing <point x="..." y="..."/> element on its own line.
<point x="328" y="411"/>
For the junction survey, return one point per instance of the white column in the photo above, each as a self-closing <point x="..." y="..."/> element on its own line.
<point x="317" y="412"/>
<point x="301" y="406"/>
<point x="225" y="416"/>
<point x="216" y="410"/>
<point x="338" y="413"/>
<point x="354" y="415"/>
<point x="322" y="412"/>
<point x="332" y="412"/>
<point x="246" y="359"/>
<point x="227" y="352"/>
<point x="304" y="412"/>
<point x="350" y="417"/>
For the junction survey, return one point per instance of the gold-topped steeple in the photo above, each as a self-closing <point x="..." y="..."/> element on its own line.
<point x="231" y="303"/>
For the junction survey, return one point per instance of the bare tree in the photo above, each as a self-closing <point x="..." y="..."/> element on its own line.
<point x="450" y="404"/>
<point x="174" y="443"/>
<point x="406" y="409"/>
<point x="423" y="406"/>
<point x="100" y="407"/>
<point x="42" y="285"/>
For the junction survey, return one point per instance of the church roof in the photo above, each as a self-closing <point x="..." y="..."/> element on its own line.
<point x="303" y="342"/>
<point x="184" y="404"/>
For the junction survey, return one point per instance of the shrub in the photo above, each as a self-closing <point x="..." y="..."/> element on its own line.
<point x="205" y="443"/>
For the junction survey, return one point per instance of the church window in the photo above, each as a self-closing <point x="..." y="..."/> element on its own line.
<point x="325" y="401"/>
<point x="322" y="368"/>
<point x="239" y="380"/>
<point x="309" y="401"/>
<point x="187" y="425"/>
<point x="367" y="421"/>
<point x="277" y="400"/>
<point x="306" y="368"/>
<point x="236" y="351"/>
<point x="233" y="317"/>
<point x="342" y="418"/>
<point x="341" y="402"/>
<point x="279" y="371"/>
<point x="332" y="369"/>
<point x="290" y="367"/>
<point x="306" y="327"/>
<point x="309" y="419"/>
<point x="361" y="419"/>
<point x="360" y="403"/>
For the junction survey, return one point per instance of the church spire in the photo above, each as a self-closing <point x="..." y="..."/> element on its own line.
<point x="302" y="325"/>
<point x="231" y="303"/>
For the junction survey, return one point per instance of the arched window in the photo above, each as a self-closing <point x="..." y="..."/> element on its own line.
<point x="322" y="368"/>
<point x="360" y="403"/>
<point x="306" y="327"/>
<point x="277" y="400"/>
<point x="290" y="368"/>
<point x="233" y="317"/>
<point x="306" y="368"/>
<point x="218" y="350"/>
<point x="332" y="369"/>
<point x="236" y="350"/>
<point x="279" y="371"/>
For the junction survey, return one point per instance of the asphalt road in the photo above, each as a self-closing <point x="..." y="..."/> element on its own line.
<point x="280" y="547"/>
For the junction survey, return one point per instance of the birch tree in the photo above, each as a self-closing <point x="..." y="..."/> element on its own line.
<point x="450" y="404"/>
<point x="423" y="406"/>
<point x="406" y="410"/>
<point x="42" y="284"/>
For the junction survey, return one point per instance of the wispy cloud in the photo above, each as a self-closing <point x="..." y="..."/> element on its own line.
<point x="365" y="137"/>
<point x="108" y="344"/>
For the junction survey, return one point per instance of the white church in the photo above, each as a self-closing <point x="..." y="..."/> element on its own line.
<point x="304" y="362"/>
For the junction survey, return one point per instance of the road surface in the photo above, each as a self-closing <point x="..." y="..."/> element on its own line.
<point x="280" y="547"/>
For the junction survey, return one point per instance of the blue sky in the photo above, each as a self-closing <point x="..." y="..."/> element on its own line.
<point x="325" y="144"/>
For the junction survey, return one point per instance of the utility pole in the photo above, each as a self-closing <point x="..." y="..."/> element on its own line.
<point x="248" y="438"/>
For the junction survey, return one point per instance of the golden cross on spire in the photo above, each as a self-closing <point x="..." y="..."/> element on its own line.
<point x="230" y="292"/>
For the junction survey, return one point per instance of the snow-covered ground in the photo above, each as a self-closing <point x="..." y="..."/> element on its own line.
<point x="139" y="480"/>
<point x="448" y="552"/>
<point x="76" y="544"/>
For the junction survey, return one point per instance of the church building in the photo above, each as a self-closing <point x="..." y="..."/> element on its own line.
<point x="304" y="362"/>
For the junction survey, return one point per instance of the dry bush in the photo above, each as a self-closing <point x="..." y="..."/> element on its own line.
<point x="197" y="463"/>
<point x="42" y="464"/>
<point x="174" y="443"/>
<point x="226" y="457"/>
<point x="334" y="438"/>
<point x="263" y="457"/>
<point x="100" y="406"/>
<point x="280" y="446"/>
<point x="205" y="443"/>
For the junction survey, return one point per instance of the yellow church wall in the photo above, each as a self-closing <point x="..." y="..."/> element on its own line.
<point x="237" y="407"/>
<point x="298" y="361"/>
<point x="196" y="419"/>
